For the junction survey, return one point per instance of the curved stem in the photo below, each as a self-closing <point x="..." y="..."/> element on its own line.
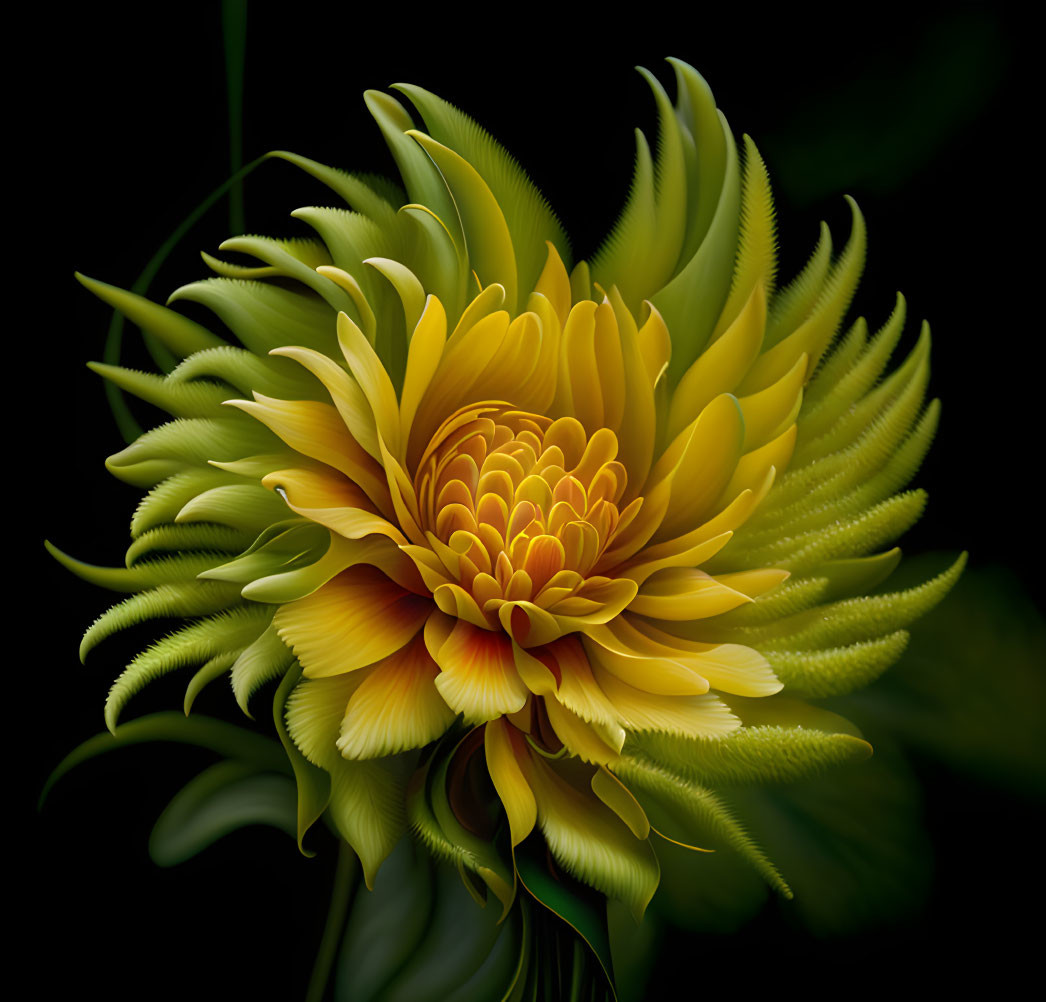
<point x="344" y="884"/>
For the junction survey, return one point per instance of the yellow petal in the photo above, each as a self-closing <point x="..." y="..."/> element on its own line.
<point x="704" y="716"/>
<point x="316" y="430"/>
<point x="536" y="675"/>
<point x="656" y="558"/>
<point x="508" y="372"/>
<point x="331" y="500"/>
<point x="655" y="345"/>
<point x="729" y="668"/>
<point x="406" y="284"/>
<point x="397" y="707"/>
<point x="577" y="688"/>
<point x="708" y="451"/>
<point x="478" y="674"/>
<point x="499" y="739"/>
<point x="554" y="283"/>
<point x="423" y="357"/>
<point x="754" y="467"/>
<point x="619" y="799"/>
<point x="656" y="674"/>
<point x="453" y="600"/>
<point x="373" y="380"/>
<point x="315" y="709"/>
<point x="767" y="411"/>
<point x="579" y="738"/>
<point x="685" y="593"/>
<point x="464" y="358"/>
<point x="540" y="390"/>
<point x="577" y="369"/>
<point x="590" y="841"/>
<point x="637" y="426"/>
<point x="354" y="620"/>
<point x="345" y="392"/>
<point x="722" y="365"/>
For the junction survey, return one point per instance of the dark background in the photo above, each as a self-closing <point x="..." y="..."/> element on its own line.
<point x="923" y="115"/>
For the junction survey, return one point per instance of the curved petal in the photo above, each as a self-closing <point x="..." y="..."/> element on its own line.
<point x="478" y="674"/>
<point x="590" y="841"/>
<point x="704" y="716"/>
<point x="504" y="748"/>
<point x="357" y="618"/>
<point x="685" y="593"/>
<point x="397" y="707"/>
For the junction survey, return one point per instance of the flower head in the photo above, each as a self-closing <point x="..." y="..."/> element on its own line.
<point x="587" y="539"/>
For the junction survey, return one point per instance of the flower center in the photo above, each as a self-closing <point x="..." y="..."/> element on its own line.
<point x="523" y="506"/>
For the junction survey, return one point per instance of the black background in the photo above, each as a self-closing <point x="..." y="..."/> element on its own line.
<point x="924" y="116"/>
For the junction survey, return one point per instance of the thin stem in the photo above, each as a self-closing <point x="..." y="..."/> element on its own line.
<point x="344" y="883"/>
<point x="577" y="968"/>
<point x="234" y="34"/>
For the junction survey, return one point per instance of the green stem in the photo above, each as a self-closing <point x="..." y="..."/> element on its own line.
<point x="577" y="969"/>
<point x="234" y="34"/>
<point x="344" y="883"/>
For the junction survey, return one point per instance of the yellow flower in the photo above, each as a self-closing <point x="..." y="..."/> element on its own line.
<point x="587" y="523"/>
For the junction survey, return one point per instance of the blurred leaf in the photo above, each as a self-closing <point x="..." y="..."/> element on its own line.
<point x="971" y="688"/>
<point x="221" y="799"/>
<point x="226" y="739"/>
<point x="706" y="892"/>
<point x="850" y="843"/>
<point x="419" y="937"/>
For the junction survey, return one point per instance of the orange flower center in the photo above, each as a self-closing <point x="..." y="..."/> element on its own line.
<point x="525" y="506"/>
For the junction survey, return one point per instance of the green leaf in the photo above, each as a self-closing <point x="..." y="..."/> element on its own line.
<point x="226" y="739"/>
<point x="852" y="843"/>
<point x="356" y="191"/>
<point x="970" y="689"/>
<point x="692" y="301"/>
<point x="693" y="815"/>
<point x="228" y="631"/>
<point x="313" y="783"/>
<point x="387" y="924"/>
<point x="267" y="658"/>
<point x="183" y="567"/>
<point x="179" y="399"/>
<point x="179" y="334"/>
<point x="572" y="902"/>
<point x="223" y="798"/>
<point x="530" y="219"/>
<point x="853" y="619"/>
<point x="179" y="599"/>
<point x="189" y="442"/>
<point x="264" y="316"/>
<point x="836" y="670"/>
<point x="760" y="754"/>
<point x="208" y="538"/>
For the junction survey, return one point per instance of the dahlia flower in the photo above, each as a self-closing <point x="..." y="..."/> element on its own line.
<point x="540" y="553"/>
